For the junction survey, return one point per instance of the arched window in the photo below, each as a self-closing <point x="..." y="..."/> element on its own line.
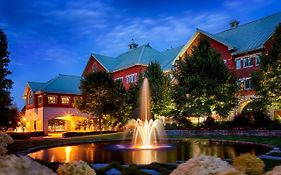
<point x="95" y="67"/>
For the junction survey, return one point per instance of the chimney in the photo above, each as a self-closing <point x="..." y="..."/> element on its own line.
<point x="133" y="45"/>
<point x="233" y="24"/>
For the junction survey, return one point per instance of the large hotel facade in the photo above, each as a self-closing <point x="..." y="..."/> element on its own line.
<point x="240" y="47"/>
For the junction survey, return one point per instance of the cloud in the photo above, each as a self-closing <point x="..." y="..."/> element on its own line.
<point x="165" y="31"/>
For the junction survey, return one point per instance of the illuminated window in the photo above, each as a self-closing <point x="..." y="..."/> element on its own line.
<point x="248" y="62"/>
<point x="39" y="99"/>
<point x="225" y="61"/>
<point x="52" y="99"/>
<point x="30" y="98"/>
<point x="65" y="100"/>
<point x="238" y="64"/>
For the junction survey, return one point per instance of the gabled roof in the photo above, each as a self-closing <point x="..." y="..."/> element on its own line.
<point x="64" y="84"/>
<point x="142" y="55"/>
<point x="252" y="35"/>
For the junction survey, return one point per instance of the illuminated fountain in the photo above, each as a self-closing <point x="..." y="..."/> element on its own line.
<point x="148" y="133"/>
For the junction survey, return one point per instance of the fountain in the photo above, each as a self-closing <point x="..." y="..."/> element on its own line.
<point x="148" y="133"/>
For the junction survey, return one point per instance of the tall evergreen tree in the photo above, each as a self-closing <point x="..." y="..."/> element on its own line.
<point x="159" y="89"/>
<point x="267" y="81"/>
<point x="9" y="116"/>
<point x="97" y="91"/>
<point x="203" y="84"/>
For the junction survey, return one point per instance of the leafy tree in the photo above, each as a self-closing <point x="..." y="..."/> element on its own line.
<point x="267" y="80"/>
<point x="9" y="116"/>
<point x="97" y="92"/>
<point x="203" y="84"/>
<point x="159" y="89"/>
<point x="122" y="109"/>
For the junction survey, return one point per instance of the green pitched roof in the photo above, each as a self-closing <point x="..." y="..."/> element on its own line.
<point x="66" y="84"/>
<point x="141" y="55"/>
<point x="252" y="35"/>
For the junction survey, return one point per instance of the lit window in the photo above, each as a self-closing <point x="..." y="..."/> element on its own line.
<point x="52" y="99"/>
<point x="39" y="99"/>
<point x="248" y="62"/>
<point x="65" y="100"/>
<point x="132" y="78"/>
<point x="258" y="60"/>
<point x="30" y="98"/>
<point x="225" y="61"/>
<point x="238" y="64"/>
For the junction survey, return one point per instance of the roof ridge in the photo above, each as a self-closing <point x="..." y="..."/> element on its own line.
<point x="241" y="25"/>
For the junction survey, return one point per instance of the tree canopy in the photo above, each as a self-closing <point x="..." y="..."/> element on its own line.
<point x="159" y="89"/>
<point x="97" y="95"/>
<point x="203" y="84"/>
<point x="267" y="81"/>
<point x="9" y="116"/>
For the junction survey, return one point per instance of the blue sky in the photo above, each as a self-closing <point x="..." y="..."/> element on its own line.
<point x="48" y="37"/>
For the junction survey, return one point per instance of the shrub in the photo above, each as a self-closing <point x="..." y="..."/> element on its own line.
<point x="209" y="122"/>
<point x="74" y="134"/>
<point x="249" y="164"/>
<point x="75" y="168"/>
<point x="11" y="164"/>
<point x="241" y="120"/>
<point x="203" y="165"/>
<point x="5" y="139"/>
<point x="261" y="119"/>
<point x="275" y="124"/>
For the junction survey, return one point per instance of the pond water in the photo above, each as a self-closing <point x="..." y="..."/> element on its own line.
<point x="105" y="152"/>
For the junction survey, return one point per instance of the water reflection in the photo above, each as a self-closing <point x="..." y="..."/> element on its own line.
<point x="181" y="151"/>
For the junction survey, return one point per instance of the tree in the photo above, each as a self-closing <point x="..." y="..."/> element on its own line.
<point x="9" y="116"/>
<point x="122" y="109"/>
<point x="267" y="80"/>
<point x="97" y="95"/>
<point x="203" y="84"/>
<point x="159" y="89"/>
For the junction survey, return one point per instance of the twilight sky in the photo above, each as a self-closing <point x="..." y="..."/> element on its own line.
<point x="51" y="37"/>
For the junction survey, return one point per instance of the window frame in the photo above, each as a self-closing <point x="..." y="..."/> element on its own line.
<point x="249" y="61"/>
<point x="240" y="64"/>
<point x="131" y="78"/>
<point x="56" y="99"/>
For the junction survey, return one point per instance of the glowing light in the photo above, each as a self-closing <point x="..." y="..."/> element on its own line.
<point x="147" y="131"/>
<point x="67" y="153"/>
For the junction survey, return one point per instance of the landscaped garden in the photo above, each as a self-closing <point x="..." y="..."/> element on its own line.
<point x="149" y="128"/>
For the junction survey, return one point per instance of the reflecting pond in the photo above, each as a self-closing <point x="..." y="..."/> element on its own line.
<point x="105" y="152"/>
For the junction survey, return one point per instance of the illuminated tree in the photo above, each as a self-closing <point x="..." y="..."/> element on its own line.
<point x="97" y="95"/>
<point x="203" y="84"/>
<point x="267" y="81"/>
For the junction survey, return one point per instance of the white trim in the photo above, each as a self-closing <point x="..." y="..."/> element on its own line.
<point x="128" y="78"/>
<point x="98" y="62"/>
